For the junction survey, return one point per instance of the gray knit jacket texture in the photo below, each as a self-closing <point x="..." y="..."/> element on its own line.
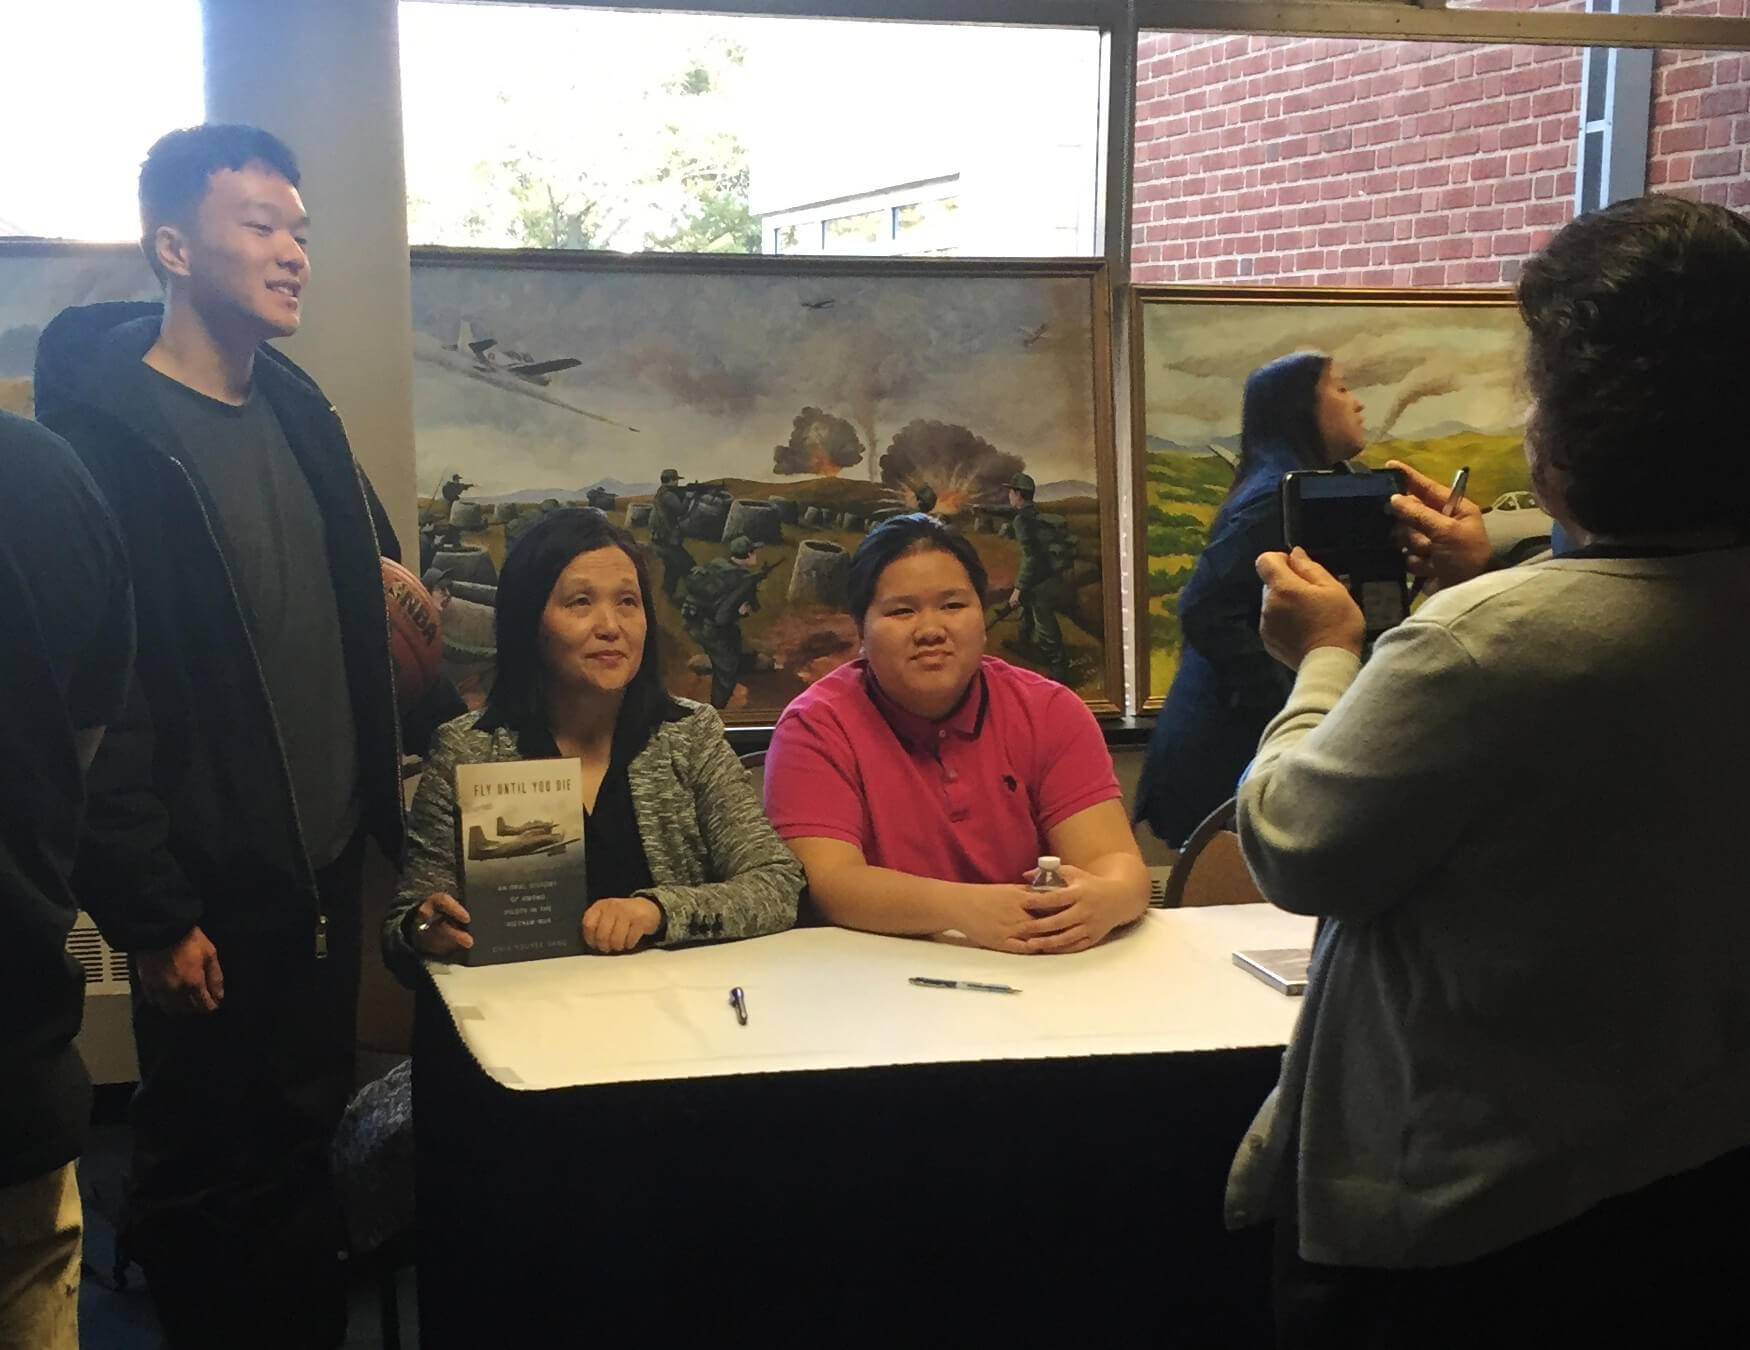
<point x="720" y="870"/>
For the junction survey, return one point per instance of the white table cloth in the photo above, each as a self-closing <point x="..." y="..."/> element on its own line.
<point x="828" y="998"/>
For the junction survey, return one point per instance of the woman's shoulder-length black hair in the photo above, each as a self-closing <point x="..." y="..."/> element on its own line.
<point x="900" y="535"/>
<point x="531" y="569"/>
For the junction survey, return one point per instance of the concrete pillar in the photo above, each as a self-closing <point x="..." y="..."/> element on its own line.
<point x="325" y="77"/>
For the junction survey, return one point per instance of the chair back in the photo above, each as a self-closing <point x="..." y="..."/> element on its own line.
<point x="754" y="761"/>
<point x="1211" y="870"/>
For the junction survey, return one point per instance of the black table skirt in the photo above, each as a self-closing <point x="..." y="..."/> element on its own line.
<point x="1004" y="1201"/>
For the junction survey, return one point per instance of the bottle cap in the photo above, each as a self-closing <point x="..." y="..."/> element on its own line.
<point x="1050" y="864"/>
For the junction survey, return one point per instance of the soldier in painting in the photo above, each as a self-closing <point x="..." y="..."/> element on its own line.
<point x="715" y="599"/>
<point x="668" y="514"/>
<point x="1036" y="585"/>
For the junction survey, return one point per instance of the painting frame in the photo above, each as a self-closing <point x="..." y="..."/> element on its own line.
<point x="1145" y="300"/>
<point x="104" y="271"/>
<point x="1091" y="277"/>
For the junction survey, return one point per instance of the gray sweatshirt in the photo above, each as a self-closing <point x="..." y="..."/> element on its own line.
<point x="1521" y="821"/>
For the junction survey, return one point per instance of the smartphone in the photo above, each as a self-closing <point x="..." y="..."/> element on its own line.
<point x="1344" y="521"/>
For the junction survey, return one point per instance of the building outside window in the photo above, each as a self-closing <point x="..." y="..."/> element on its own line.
<point x="673" y="132"/>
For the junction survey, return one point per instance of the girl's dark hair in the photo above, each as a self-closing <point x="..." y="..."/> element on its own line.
<point x="899" y="535"/>
<point x="1637" y="340"/>
<point x="531" y="570"/>
<point x="1279" y="419"/>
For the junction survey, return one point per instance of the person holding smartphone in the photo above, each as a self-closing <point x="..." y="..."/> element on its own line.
<point x="1518" y="1094"/>
<point x="1297" y="414"/>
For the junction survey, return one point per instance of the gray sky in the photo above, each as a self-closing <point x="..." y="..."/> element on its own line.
<point x="1433" y="367"/>
<point x="714" y="368"/>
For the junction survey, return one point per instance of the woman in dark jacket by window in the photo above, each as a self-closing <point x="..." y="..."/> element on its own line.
<point x="1297" y="414"/>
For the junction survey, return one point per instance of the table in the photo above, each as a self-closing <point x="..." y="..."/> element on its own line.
<point x="601" y="1144"/>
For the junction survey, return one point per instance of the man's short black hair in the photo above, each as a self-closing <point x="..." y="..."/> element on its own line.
<point x="1637" y="342"/>
<point x="891" y="540"/>
<point x="173" y="178"/>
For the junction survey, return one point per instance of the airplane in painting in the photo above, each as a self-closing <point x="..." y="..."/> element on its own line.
<point x="515" y="372"/>
<point x="491" y="357"/>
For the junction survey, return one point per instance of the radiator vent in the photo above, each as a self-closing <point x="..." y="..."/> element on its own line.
<point x="1157" y="884"/>
<point x="106" y="969"/>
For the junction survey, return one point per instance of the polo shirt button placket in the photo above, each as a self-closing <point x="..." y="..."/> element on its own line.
<point x="959" y="806"/>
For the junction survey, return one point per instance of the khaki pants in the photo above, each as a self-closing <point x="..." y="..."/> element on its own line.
<point x="41" y="1228"/>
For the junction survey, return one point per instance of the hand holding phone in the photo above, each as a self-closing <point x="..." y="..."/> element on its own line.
<point x="1440" y="530"/>
<point x="1344" y="522"/>
<point x="1306" y="608"/>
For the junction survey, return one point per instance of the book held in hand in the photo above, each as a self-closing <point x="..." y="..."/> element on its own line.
<point x="1282" y="968"/>
<point x="522" y="859"/>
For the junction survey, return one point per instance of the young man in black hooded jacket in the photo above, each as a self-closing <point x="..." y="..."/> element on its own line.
<point x="230" y="805"/>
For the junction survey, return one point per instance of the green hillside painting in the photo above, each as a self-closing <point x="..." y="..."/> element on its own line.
<point x="1437" y="372"/>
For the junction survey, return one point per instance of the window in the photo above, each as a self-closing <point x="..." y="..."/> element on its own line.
<point x="557" y="127"/>
<point x="803" y="238"/>
<point x="1616" y="91"/>
<point x="864" y="232"/>
<point x="89" y="85"/>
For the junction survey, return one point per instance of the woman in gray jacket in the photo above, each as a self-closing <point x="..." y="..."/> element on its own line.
<point x="677" y="848"/>
<point x="1518" y="1096"/>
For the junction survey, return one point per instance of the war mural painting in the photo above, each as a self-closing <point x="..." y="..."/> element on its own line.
<point x="749" y="420"/>
<point x="40" y="279"/>
<point x="1438" y="374"/>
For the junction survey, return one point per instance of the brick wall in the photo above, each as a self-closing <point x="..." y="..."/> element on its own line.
<point x="1701" y="118"/>
<point x="1325" y="162"/>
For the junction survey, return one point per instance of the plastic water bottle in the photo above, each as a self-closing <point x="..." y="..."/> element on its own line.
<point x="1047" y="879"/>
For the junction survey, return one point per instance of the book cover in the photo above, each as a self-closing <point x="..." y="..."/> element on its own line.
<point x="522" y="858"/>
<point x="1282" y="968"/>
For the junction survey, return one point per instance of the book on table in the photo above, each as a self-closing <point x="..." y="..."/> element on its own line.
<point x="1282" y="968"/>
<point x="523" y="882"/>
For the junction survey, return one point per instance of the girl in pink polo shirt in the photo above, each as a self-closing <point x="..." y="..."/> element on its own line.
<point x="919" y="783"/>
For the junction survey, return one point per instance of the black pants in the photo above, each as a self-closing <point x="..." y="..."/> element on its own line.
<point x="1662" y="1266"/>
<point x="231" y="1209"/>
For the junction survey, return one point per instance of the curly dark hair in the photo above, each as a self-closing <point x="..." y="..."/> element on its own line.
<point x="1637" y="342"/>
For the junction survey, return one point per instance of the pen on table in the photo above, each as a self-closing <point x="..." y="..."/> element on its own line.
<point x="738" y="1001"/>
<point x="927" y="982"/>
<point x="1454" y="499"/>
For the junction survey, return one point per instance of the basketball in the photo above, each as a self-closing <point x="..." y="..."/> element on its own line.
<point x="416" y="631"/>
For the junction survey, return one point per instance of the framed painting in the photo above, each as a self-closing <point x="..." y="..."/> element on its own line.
<point x="40" y="278"/>
<point x="1439" y="375"/>
<point x="791" y="404"/>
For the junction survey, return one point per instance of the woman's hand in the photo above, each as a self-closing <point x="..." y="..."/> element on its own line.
<point x="441" y="928"/>
<point x="1092" y="907"/>
<point x="620" y="925"/>
<point x="1439" y="548"/>
<point x="1306" y="608"/>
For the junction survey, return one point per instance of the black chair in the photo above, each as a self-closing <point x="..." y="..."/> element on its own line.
<point x="1211" y="869"/>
